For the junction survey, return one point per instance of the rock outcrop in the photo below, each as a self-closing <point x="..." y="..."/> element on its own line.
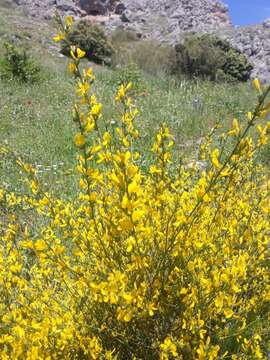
<point x="142" y="15"/>
<point x="96" y="7"/>
<point x="46" y="8"/>
<point x="166" y="20"/>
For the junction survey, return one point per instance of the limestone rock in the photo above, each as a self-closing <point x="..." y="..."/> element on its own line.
<point x="65" y="5"/>
<point x="171" y="15"/>
<point x="46" y="8"/>
<point x="94" y="7"/>
<point x="266" y="23"/>
<point x="167" y="20"/>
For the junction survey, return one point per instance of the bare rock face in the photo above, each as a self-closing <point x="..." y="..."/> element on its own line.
<point x="172" y="15"/>
<point x="184" y="14"/>
<point x="46" y="8"/>
<point x="166" y="20"/>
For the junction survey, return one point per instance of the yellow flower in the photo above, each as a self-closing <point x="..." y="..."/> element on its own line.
<point x="77" y="53"/>
<point x="96" y="110"/>
<point x="69" y="21"/>
<point x="137" y="215"/>
<point x="72" y="68"/>
<point x="169" y="348"/>
<point x="133" y="188"/>
<point x="1" y="194"/>
<point x="83" y="88"/>
<point x="40" y="245"/>
<point x="131" y="242"/>
<point x="249" y="115"/>
<point x="257" y="85"/>
<point x="34" y="186"/>
<point x="79" y="140"/>
<point x="80" y="53"/>
<point x="228" y="313"/>
<point x="89" y="73"/>
<point x="121" y="93"/>
<point x="215" y="158"/>
<point x="59" y="37"/>
<point x="106" y="139"/>
<point x="235" y="129"/>
<point x="28" y="244"/>
<point x="151" y="310"/>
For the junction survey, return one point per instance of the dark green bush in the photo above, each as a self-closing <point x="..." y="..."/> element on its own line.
<point x="92" y="39"/>
<point x="210" y="57"/>
<point x="18" y="64"/>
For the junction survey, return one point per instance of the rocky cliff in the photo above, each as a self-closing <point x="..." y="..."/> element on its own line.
<point x="166" y="21"/>
<point x="152" y="18"/>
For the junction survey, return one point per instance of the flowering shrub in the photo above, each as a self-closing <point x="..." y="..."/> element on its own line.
<point x="150" y="262"/>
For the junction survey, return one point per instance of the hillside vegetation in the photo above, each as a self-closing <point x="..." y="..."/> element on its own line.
<point x="134" y="210"/>
<point x="35" y="118"/>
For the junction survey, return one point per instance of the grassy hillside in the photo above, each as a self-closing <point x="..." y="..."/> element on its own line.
<point x="36" y="118"/>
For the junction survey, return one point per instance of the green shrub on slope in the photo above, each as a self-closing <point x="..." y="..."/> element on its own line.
<point x="210" y="57"/>
<point x="18" y="64"/>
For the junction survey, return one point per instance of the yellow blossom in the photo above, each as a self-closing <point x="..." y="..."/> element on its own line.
<point x="72" y="68"/>
<point x="77" y="53"/>
<point x="59" y="37"/>
<point x="69" y="20"/>
<point x="79" y="140"/>
<point x="257" y="84"/>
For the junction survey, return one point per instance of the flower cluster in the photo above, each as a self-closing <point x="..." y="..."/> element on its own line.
<point x="150" y="262"/>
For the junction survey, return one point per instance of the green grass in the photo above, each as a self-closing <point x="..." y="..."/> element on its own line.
<point x="35" y="119"/>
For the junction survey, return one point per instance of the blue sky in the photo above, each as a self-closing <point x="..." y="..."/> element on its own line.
<point x="245" y="12"/>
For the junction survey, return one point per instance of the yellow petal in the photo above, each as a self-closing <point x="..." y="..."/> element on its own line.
<point x="40" y="245"/>
<point x="69" y="20"/>
<point x="228" y="313"/>
<point x="249" y="115"/>
<point x="79" y="140"/>
<point x="72" y="68"/>
<point x="59" y="37"/>
<point x="80" y="53"/>
<point x="257" y="84"/>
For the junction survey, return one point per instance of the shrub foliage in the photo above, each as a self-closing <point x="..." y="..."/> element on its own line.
<point x="18" y="64"/>
<point x="149" y="262"/>
<point x="89" y="37"/>
<point x="130" y="73"/>
<point x="149" y="55"/>
<point x="209" y="57"/>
